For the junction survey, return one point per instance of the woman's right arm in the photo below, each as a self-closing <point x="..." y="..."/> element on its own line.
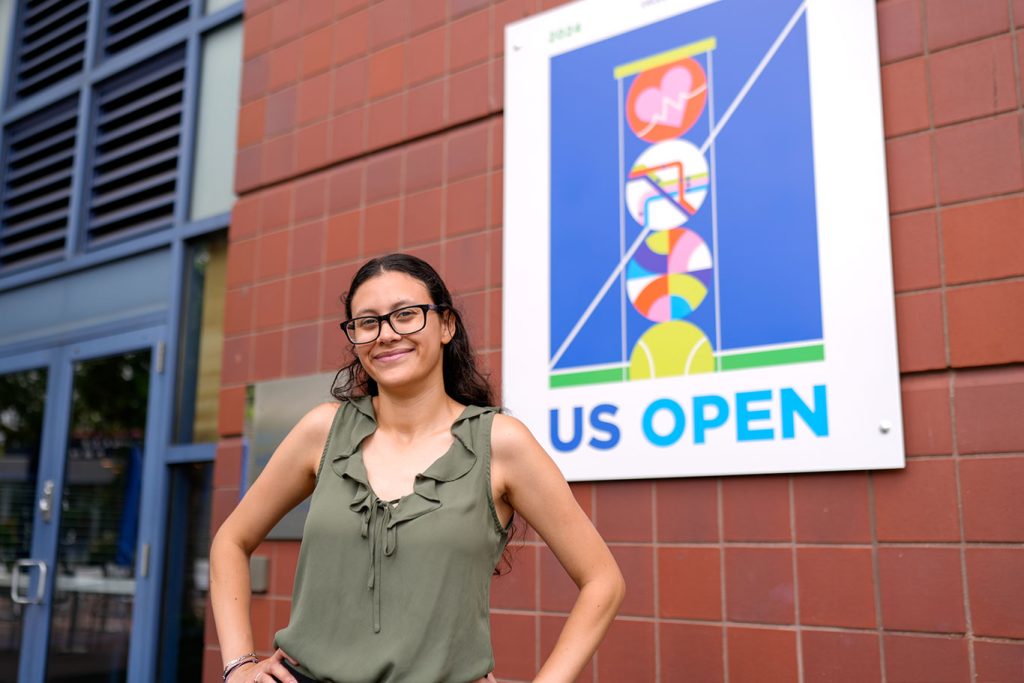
<point x="287" y="480"/>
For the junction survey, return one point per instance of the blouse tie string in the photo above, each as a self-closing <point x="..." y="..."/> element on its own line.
<point x="383" y="541"/>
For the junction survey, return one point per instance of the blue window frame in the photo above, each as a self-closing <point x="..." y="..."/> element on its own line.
<point x="97" y="132"/>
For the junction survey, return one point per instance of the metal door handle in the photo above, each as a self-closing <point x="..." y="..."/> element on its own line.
<point x="40" y="587"/>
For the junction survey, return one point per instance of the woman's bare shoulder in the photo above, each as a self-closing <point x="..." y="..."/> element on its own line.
<point x="510" y="436"/>
<point x="312" y="429"/>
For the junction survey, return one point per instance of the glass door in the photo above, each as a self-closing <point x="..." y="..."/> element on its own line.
<point x="24" y="382"/>
<point x="92" y="534"/>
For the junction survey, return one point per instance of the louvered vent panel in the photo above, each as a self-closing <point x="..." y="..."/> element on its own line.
<point x="51" y="44"/>
<point x="128" y="22"/>
<point x="137" y="135"/>
<point x="40" y="154"/>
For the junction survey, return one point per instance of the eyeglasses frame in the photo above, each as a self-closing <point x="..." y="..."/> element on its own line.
<point x="381" y="319"/>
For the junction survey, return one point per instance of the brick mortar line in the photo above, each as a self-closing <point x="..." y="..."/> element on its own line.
<point x="791" y="494"/>
<point x="1011" y="194"/>
<point x="657" y="581"/>
<point x="720" y="518"/>
<point x="943" y="288"/>
<point x="817" y="628"/>
<point x="876" y="586"/>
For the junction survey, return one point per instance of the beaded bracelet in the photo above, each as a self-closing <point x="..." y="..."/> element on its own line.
<point x="249" y="658"/>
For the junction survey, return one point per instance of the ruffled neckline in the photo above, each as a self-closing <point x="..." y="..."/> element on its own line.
<point x="380" y="519"/>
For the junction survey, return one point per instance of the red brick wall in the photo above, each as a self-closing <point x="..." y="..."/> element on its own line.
<point x="368" y="127"/>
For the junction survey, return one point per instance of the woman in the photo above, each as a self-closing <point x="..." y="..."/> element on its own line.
<point x="415" y="482"/>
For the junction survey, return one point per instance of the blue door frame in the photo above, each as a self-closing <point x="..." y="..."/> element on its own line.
<point x="148" y="565"/>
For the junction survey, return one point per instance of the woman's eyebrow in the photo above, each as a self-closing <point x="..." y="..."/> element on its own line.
<point x="401" y="303"/>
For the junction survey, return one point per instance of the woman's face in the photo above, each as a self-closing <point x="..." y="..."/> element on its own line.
<point x="393" y="359"/>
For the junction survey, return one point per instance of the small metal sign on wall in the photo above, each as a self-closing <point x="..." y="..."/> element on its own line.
<point x="697" y="275"/>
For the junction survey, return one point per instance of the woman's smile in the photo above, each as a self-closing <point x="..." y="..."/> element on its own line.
<point x="391" y="355"/>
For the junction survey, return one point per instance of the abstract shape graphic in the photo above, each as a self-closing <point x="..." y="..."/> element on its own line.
<point x="669" y="276"/>
<point x="671" y="349"/>
<point x="667" y="184"/>
<point x="665" y="102"/>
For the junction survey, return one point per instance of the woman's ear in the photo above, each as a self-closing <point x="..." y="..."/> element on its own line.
<point x="448" y="326"/>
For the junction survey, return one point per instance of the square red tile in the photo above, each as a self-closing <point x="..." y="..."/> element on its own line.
<point x="557" y="591"/>
<point x="759" y="585"/>
<point x="761" y="655"/>
<point x="899" y="29"/>
<point x="836" y="587"/>
<point x="915" y="251"/>
<point x="927" y="419"/>
<point x="988" y="406"/>
<point x="986" y="324"/>
<point x="995" y="662"/>
<point x="304" y="302"/>
<point x="916" y="659"/>
<point x="624" y="510"/>
<point x="919" y="330"/>
<point x="972" y="81"/>
<point x="517" y="588"/>
<point x="831" y="508"/>
<point x="422" y="217"/>
<point x="981" y="241"/>
<point x="921" y="589"/>
<point x="918" y="503"/>
<point x="840" y="657"/>
<point x="691" y="652"/>
<point x="905" y="97"/>
<point x="979" y="158"/>
<point x="627" y="652"/>
<point x="996" y="591"/>
<point x="687" y="510"/>
<point x="910" y="173"/>
<point x="993" y="507"/>
<point x="466" y="205"/>
<point x="951" y="22"/>
<point x="514" y="639"/>
<point x="756" y="508"/>
<point x="637" y="566"/>
<point x="306" y="251"/>
<point x="689" y="583"/>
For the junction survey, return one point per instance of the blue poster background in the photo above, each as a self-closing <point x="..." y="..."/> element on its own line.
<point x="767" y="259"/>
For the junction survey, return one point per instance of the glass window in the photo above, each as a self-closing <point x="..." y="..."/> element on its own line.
<point x="202" y="334"/>
<point x="219" y="88"/>
<point x="217" y="5"/>
<point x="6" y="14"/>
<point x="186" y="573"/>
<point x="22" y="398"/>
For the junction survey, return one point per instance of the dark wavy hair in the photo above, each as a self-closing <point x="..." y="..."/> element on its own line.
<point x="462" y="380"/>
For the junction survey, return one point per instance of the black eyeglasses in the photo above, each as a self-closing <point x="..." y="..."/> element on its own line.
<point x="406" y="320"/>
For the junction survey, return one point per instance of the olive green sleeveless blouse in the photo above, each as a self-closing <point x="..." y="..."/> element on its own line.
<point x="397" y="591"/>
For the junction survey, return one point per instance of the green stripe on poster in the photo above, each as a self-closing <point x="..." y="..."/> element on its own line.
<point x="756" y="359"/>
<point x="572" y="379"/>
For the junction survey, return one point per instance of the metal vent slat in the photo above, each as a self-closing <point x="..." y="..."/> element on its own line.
<point x="60" y="197"/>
<point x="149" y="184"/>
<point x="133" y="105"/>
<point x="104" y="139"/>
<point x="38" y="185"/>
<point x="128" y="24"/>
<point x="39" y="152"/>
<point x="164" y="201"/>
<point x="51" y="45"/>
<point x="54" y="237"/>
<point x="130" y="87"/>
<point x="136" y="138"/>
<point x="159" y="138"/>
<point x="49" y="21"/>
<point x="122" y="172"/>
<point x="38" y="222"/>
<point x="48" y="162"/>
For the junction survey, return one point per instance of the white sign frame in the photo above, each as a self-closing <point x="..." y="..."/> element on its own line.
<point x="860" y="365"/>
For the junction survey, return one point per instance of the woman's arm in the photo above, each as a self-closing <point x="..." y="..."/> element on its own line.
<point x="536" y="489"/>
<point x="287" y="480"/>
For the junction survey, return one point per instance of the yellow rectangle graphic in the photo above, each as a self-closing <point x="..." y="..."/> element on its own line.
<point x="673" y="55"/>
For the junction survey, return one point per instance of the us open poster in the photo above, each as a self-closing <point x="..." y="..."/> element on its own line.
<point x="697" y="270"/>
